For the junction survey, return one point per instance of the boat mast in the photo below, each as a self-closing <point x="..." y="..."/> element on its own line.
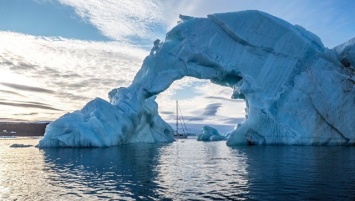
<point x="177" y="118"/>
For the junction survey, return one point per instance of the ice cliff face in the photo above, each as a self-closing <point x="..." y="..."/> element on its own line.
<point x="297" y="91"/>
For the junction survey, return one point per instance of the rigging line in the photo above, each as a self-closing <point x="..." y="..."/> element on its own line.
<point x="177" y="118"/>
<point x="183" y="122"/>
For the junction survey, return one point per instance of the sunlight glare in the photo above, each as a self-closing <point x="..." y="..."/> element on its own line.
<point x="7" y="76"/>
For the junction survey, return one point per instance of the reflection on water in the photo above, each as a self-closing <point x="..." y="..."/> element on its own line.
<point x="182" y="170"/>
<point x="306" y="172"/>
<point x="195" y="170"/>
<point x="115" y="172"/>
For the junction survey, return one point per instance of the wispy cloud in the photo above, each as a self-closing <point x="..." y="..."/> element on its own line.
<point x="123" y="19"/>
<point x="9" y="92"/>
<point x="145" y="20"/>
<point x="61" y="73"/>
<point x="232" y="120"/>
<point x="211" y="109"/>
<point x="37" y="105"/>
<point x="26" y="88"/>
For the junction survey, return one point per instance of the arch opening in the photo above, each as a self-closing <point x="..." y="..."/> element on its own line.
<point x="202" y="103"/>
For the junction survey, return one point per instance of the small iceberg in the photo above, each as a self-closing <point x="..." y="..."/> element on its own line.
<point x="210" y="134"/>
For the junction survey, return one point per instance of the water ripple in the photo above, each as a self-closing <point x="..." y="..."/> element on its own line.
<point x="179" y="171"/>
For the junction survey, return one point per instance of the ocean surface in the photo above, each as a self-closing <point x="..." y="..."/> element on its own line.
<point x="183" y="170"/>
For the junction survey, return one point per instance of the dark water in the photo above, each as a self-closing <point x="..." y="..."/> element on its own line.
<point x="183" y="170"/>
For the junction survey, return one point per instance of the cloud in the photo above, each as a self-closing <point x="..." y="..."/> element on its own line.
<point x="193" y="118"/>
<point x="123" y="19"/>
<point x="30" y="104"/>
<point x="142" y="21"/>
<point x="29" y="114"/>
<point x="12" y="119"/>
<point x="211" y="109"/>
<point x="10" y="92"/>
<point x="233" y="120"/>
<point x="26" y="88"/>
<point x="223" y="99"/>
<point x="167" y="113"/>
<point x="63" y="73"/>
<point x="90" y="64"/>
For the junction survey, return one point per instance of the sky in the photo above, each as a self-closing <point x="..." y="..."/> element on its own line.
<point x="56" y="55"/>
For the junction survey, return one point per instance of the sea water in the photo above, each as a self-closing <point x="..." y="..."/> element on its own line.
<point x="183" y="170"/>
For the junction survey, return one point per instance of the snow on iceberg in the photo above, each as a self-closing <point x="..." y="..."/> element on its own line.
<point x="296" y="90"/>
<point x="210" y="134"/>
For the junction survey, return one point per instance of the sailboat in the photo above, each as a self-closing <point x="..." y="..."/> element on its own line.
<point x="177" y="133"/>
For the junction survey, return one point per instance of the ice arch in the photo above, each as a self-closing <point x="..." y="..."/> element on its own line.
<point x="297" y="91"/>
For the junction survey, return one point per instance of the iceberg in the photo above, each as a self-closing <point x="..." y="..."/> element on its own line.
<point x="297" y="91"/>
<point x="128" y="118"/>
<point x="210" y="134"/>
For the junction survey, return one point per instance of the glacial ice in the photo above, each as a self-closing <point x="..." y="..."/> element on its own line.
<point x="129" y="118"/>
<point x="297" y="91"/>
<point x="210" y="134"/>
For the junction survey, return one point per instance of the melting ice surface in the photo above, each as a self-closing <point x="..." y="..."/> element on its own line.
<point x="296" y="90"/>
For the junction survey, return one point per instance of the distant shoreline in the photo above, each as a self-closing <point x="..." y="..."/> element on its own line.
<point x="37" y="128"/>
<point x="23" y="128"/>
